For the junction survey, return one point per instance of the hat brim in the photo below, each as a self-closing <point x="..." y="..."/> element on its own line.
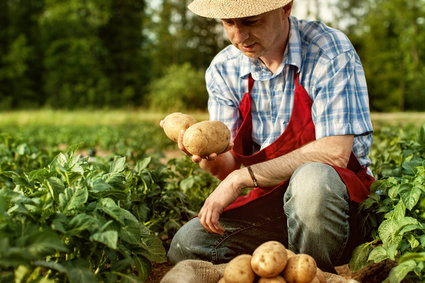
<point x="229" y="9"/>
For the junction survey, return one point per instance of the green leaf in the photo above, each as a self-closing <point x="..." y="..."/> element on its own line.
<point x="409" y="167"/>
<point x="78" y="272"/>
<point x="187" y="183"/>
<point x="410" y="227"/>
<point x="387" y="229"/>
<point x="109" y="207"/>
<point x="81" y="222"/>
<point x="43" y="243"/>
<point x="59" y="222"/>
<point x="108" y="238"/>
<point x="399" y="211"/>
<point x="100" y="186"/>
<point x="419" y="257"/>
<point x="131" y="233"/>
<point x="3" y="206"/>
<point x="398" y="273"/>
<point x="378" y="254"/>
<point x="51" y="265"/>
<point x="143" y="164"/>
<point x="412" y="241"/>
<point x="21" y="272"/>
<point x="60" y="160"/>
<point x="116" y="180"/>
<point x="143" y="266"/>
<point x="410" y="196"/>
<point x="118" y="165"/>
<point x="56" y="184"/>
<point x="359" y="258"/>
<point x="421" y="136"/>
<point x="155" y="249"/>
<point x="421" y="239"/>
<point x="72" y="199"/>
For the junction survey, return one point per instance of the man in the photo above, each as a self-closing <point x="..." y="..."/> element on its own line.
<point x="294" y="96"/>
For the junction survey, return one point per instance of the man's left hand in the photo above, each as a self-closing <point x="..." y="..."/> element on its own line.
<point x="226" y="192"/>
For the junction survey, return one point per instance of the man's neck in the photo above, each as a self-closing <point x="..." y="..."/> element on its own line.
<point x="273" y="60"/>
<point x="272" y="64"/>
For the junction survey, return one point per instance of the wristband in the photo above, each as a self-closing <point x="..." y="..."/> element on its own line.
<point x="252" y="176"/>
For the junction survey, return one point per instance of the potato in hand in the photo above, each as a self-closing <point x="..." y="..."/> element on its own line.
<point x="206" y="137"/>
<point x="175" y="122"/>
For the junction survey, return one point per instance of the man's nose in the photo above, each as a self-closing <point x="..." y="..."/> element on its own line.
<point x="240" y="34"/>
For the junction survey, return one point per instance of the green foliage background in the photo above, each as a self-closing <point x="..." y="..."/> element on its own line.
<point x="114" y="53"/>
<point x="101" y="210"/>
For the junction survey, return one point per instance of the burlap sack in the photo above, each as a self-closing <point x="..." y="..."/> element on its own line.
<point x="197" y="271"/>
<point x="194" y="271"/>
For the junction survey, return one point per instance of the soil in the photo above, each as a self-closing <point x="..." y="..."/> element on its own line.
<point x="158" y="271"/>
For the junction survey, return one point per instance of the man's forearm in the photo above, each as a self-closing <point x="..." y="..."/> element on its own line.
<point x="331" y="150"/>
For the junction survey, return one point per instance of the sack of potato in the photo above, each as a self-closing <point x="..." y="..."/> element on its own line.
<point x="271" y="262"/>
<point x="200" y="138"/>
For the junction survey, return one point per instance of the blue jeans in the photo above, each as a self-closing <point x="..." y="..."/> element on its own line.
<point x="312" y="216"/>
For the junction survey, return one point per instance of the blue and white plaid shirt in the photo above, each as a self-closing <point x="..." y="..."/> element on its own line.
<point x="330" y="71"/>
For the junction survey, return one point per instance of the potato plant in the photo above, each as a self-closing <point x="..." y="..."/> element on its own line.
<point x="395" y="210"/>
<point x="69" y="217"/>
<point x="104" y="210"/>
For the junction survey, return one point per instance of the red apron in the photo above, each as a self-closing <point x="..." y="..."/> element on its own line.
<point x="298" y="132"/>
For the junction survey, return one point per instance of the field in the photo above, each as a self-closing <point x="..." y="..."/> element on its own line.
<point x="93" y="196"/>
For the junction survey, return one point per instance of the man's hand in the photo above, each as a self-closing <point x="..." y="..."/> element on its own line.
<point x="226" y="192"/>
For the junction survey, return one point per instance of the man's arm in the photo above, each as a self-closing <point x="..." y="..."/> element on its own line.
<point x="334" y="150"/>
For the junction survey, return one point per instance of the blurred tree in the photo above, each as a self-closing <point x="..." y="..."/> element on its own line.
<point x="388" y="34"/>
<point x="181" y="88"/>
<point x="125" y="64"/>
<point x="4" y="49"/>
<point x="179" y="36"/>
<point x="21" y="66"/>
<point x="73" y="52"/>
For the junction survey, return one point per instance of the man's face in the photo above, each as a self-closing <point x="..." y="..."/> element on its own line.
<point x="260" y="35"/>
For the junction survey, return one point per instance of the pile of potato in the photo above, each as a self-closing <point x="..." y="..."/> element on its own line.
<point x="200" y="138"/>
<point x="271" y="262"/>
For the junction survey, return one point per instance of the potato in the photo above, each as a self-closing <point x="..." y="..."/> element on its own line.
<point x="277" y="279"/>
<point x="238" y="270"/>
<point x="289" y="253"/>
<point x="222" y="280"/>
<point x="206" y="137"/>
<point x="175" y="122"/>
<point x="301" y="268"/>
<point x="269" y="259"/>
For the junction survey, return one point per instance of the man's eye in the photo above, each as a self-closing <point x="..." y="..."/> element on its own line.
<point x="251" y="22"/>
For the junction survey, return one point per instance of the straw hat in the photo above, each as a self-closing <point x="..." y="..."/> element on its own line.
<point x="229" y="9"/>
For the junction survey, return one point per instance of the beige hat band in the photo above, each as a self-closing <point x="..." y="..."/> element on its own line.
<point x="229" y="9"/>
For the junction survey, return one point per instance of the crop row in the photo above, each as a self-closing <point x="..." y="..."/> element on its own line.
<point x="98" y="203"/>
<point x="66" y="216"/>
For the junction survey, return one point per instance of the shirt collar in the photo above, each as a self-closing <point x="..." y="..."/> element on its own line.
<point x="292" y="56"/>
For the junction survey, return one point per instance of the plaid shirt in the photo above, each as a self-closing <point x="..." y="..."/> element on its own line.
<point x="330" y="71"/>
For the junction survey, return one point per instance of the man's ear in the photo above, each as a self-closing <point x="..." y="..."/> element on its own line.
<point x="287" y="8"/>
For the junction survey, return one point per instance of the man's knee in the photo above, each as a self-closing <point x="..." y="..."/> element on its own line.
<point x="316" y="180"/>
<point x="187" y="243"/>
<point x="313" y="189"/>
